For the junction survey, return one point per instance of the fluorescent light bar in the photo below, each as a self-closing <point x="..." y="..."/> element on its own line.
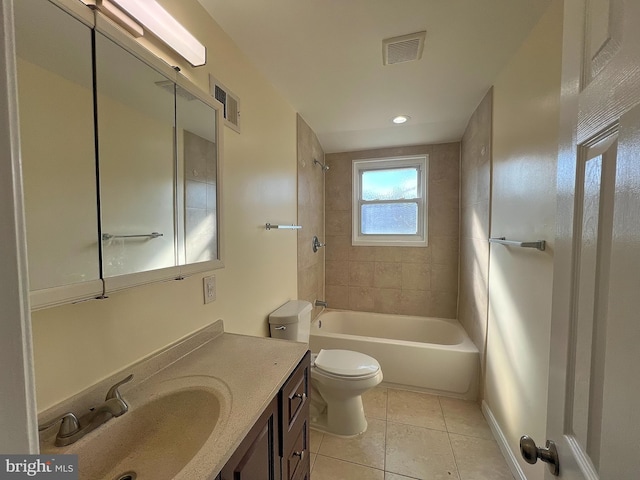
<point x="158" y="21"/>
<point x="115" y="14"/>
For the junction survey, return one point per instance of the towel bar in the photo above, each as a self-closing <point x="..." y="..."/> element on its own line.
<point x="539" y="244"/>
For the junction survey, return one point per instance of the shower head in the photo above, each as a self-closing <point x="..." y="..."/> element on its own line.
<point x="322" y="165"/>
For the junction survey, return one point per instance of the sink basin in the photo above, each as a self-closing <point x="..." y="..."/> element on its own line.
<point x="159" y="435"/>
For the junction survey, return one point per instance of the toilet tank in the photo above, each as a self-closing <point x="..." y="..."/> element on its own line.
<point x="291" y="321"/>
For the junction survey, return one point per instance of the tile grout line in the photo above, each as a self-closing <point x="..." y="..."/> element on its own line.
<point x="350" y="462"/>
<point x="444" y="417"/>
<point x="317" y="453"/>
<point x="453" y="453"/>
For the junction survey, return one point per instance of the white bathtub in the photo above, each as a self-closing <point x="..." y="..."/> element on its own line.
<point x="430" y="354"/>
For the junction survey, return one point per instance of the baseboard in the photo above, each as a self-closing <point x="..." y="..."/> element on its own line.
<point x="507" y="453"/>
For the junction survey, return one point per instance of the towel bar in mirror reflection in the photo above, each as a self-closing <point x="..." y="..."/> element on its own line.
<point x="109" y="236"/>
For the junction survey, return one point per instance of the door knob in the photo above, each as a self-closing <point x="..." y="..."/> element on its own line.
<point x="531" y="453"/>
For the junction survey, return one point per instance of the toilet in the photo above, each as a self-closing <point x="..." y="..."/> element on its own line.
<point x="338" y="377"/>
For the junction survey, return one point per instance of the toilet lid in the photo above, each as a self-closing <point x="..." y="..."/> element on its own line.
<point x="346" y="363"/>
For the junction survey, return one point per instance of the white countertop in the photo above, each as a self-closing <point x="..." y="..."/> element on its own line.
<point x="247" y="372"/>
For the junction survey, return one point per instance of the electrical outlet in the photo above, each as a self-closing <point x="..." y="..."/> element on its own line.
<point x="209" y="284"/>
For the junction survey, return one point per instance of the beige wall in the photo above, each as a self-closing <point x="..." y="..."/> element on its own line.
<point x="310" y="216"/>
<point x="404" y="280"/>
<point x="525" y="144"/>
<point x="77" y="345"/>
<point x="475" y="192"/>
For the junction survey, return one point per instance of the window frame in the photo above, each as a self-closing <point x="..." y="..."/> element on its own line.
<point x="421" y="162"/>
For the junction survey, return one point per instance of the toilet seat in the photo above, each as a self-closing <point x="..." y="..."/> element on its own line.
<point x="346" y="364"/>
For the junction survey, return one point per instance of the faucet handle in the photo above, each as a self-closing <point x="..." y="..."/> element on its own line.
<point x="69" y="425"/>
<point x="114" y="392"/>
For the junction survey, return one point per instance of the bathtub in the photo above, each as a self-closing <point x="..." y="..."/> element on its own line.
<point x="428" y="354"/>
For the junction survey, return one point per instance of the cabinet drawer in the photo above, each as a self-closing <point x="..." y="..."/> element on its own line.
<point x="293" y="463"/>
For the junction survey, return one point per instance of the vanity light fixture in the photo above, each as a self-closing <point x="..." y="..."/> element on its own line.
<point x="118" y="16"/>
<point x="159" y="22"/>
<point x="400" y="119"/>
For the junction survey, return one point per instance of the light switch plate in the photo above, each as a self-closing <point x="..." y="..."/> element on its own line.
<point x="209" y="284"/>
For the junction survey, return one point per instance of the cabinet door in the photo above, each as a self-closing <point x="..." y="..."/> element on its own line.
<point x="257" y="456"/>
<point x="198" y="141"/>
<point x="136" y="121"/>
<point x="55" y="96"/>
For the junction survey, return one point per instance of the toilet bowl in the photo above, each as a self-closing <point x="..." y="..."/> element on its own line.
<point x="338" y="377"/>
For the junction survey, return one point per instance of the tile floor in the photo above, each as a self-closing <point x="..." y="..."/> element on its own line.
<point x="412" y="436"/>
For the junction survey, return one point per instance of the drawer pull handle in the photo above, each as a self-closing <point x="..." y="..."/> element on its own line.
<point x="299" y="454"/>
<point x="301" y="396"/>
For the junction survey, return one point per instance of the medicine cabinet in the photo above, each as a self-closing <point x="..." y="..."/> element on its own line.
<point x="120" y="158"/>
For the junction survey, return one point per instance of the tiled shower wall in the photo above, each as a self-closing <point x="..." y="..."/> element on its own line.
<point x="475" y="197"/>
<point x="310" y="215"/>
<point x="402" y="280"/>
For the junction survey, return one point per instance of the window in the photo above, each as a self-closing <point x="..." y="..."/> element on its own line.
<point x="390" y="201"/>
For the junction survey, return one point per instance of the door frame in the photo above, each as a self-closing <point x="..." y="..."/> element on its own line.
<point x="18" y="416"/>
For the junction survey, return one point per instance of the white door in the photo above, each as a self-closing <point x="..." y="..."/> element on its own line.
<point x="594" y="383"/>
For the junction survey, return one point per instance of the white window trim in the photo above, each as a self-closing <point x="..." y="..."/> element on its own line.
<point x="419" y="240"/>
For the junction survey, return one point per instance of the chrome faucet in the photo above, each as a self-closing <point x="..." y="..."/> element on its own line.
<point x="73" y="429"/>
<point x="321" y="303"/>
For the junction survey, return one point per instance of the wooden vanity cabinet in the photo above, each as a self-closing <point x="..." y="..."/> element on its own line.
<point x="277" y="446"/>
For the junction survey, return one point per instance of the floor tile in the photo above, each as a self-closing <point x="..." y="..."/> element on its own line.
<point x="465" y="418"/>
<point x="413" y="408"/>
<point x="375" y="403"/>
<point x="326" y="468"/>
<point x="364" y="449"/>
<point x="315" y="439"/>
<point x="395" y="476"/>
<point x="419" y="452"/>
<point x="479" y="459"/>
<point x="411" y="436"/>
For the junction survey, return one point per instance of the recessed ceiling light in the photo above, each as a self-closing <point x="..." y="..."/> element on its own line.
<point x="400" y="119"/>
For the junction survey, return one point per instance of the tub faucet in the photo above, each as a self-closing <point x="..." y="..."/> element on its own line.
<point x="73" y="429"/>
<point x="321" y="303"/>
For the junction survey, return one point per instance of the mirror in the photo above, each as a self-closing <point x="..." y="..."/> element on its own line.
<point x="55" y="98"/>
<point x="136" y="113"/>
<point x="120" y="164"/>
<point x="197" y="178"/>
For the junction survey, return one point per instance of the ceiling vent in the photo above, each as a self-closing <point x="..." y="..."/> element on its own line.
<point x="405" y="48"/>
<point x="229" y="100"/>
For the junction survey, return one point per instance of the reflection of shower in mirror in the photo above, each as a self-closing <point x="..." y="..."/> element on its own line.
<point x="322" y="165"/>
